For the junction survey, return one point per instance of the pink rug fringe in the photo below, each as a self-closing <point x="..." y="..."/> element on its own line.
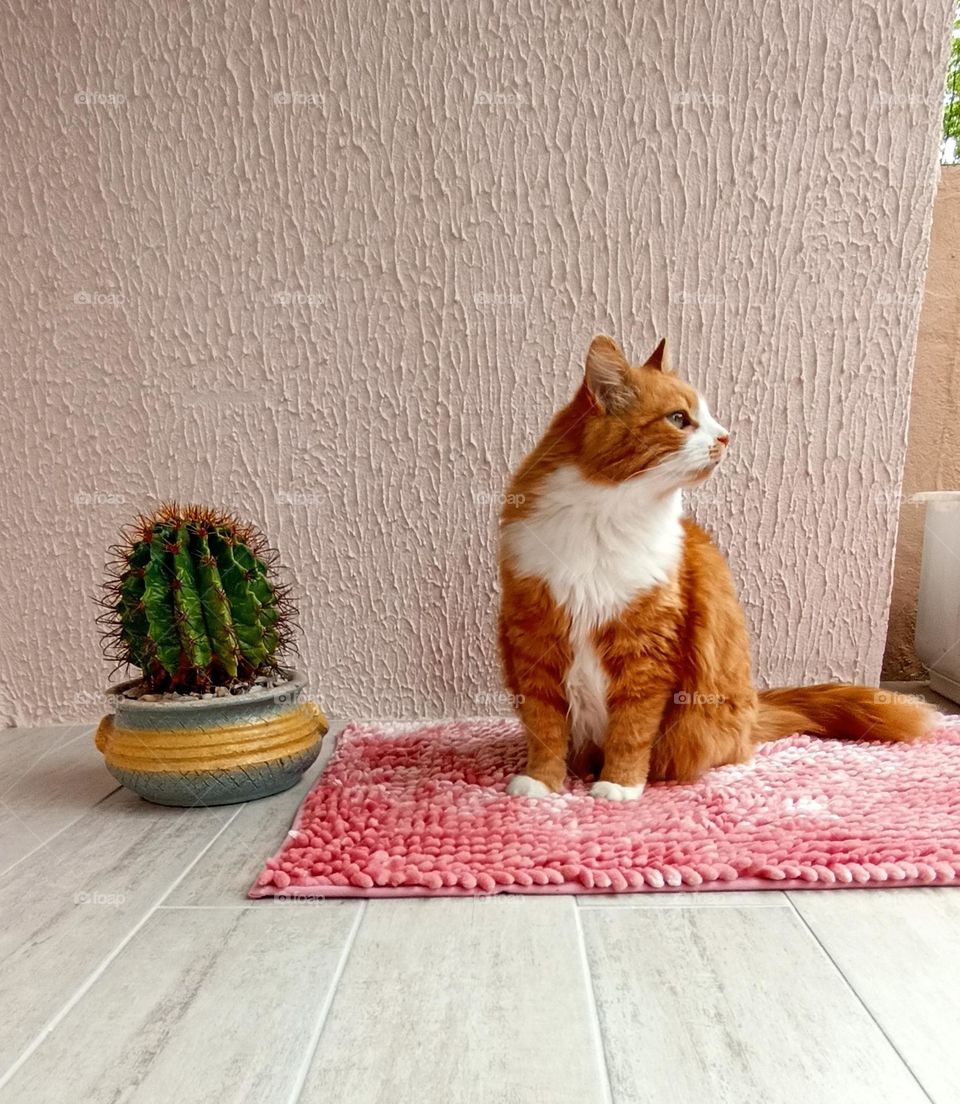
<point x="420" y="810"/>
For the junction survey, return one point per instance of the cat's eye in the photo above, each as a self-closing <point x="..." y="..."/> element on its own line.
<point x="679" y="419"/>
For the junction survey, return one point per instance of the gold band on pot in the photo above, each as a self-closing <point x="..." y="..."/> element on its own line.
<point x="222" y="748"/>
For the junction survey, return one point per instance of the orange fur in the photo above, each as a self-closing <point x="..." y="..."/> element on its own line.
<point x="672" y="663"/>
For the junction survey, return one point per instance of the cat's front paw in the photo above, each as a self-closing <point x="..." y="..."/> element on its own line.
<point x="613" y="791"/>
<point x="522" y="785"/>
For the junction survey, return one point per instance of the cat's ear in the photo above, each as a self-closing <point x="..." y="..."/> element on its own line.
<point x="657" y="358"/>
<point x="606" y="375"/>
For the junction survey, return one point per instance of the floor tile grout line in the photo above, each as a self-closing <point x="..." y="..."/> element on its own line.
<point x="677" y="908"/>
<point x="593" y="1013"/>
<point x="43" y="843"/>
<point x="314" y="1042"/>
<point x="291" y="903"/>
<point x="863" y="1004"/>
<point x="88" y="731"/>
<point x="101" y="800"/>
<point x="210" y="908"/>
<point x="92" y="978"/>
<point x="266" y="904"/>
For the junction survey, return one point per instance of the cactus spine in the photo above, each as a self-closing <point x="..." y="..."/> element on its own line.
<point x="193" y="602"/>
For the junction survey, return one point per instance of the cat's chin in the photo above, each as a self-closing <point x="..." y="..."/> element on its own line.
<point x="699" y="477"/>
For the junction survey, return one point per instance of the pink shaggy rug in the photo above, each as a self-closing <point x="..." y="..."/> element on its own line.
<point x="405" y="810"/>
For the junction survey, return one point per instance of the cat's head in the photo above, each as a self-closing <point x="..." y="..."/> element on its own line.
<point x="641" y="421"/>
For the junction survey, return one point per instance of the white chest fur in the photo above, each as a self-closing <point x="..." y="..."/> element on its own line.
<point x="597" y="547"/>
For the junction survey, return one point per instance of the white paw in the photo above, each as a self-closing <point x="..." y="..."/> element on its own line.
<point x="613" y="791"/>
<point x="522" y="785"/>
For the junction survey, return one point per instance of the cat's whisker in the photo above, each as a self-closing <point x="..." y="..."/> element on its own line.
<point x="673" y="462"/>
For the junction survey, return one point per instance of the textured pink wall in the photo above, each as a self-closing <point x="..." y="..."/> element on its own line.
<point x="334" y="265"/>
<point x="933" y="451"/>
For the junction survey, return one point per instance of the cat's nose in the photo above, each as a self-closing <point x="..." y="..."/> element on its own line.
<point x="723" y="439"/>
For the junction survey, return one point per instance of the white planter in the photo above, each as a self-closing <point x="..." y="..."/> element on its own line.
<point x="937" y="637"/>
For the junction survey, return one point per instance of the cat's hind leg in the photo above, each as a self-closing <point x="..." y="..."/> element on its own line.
<point x="701" y="730"/>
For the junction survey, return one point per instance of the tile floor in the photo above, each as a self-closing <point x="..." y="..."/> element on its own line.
<point x="134" y="969"/>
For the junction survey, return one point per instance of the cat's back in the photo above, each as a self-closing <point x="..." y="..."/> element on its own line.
<point x="701" y="552"/>
<point x="707" y="584"/>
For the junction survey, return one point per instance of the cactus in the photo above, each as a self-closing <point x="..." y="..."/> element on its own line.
<point x="192" y="600"/>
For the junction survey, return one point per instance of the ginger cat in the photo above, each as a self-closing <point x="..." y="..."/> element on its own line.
<point x="620" y="633"/>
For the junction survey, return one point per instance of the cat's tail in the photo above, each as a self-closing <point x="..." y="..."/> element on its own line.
<point x="841" y="712"/>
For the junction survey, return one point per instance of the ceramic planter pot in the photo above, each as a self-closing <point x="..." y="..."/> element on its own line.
<point x="212" y="751"/>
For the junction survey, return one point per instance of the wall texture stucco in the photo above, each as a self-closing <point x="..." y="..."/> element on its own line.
<point x="933" y="449"/>
<point x="333" y="265"/>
